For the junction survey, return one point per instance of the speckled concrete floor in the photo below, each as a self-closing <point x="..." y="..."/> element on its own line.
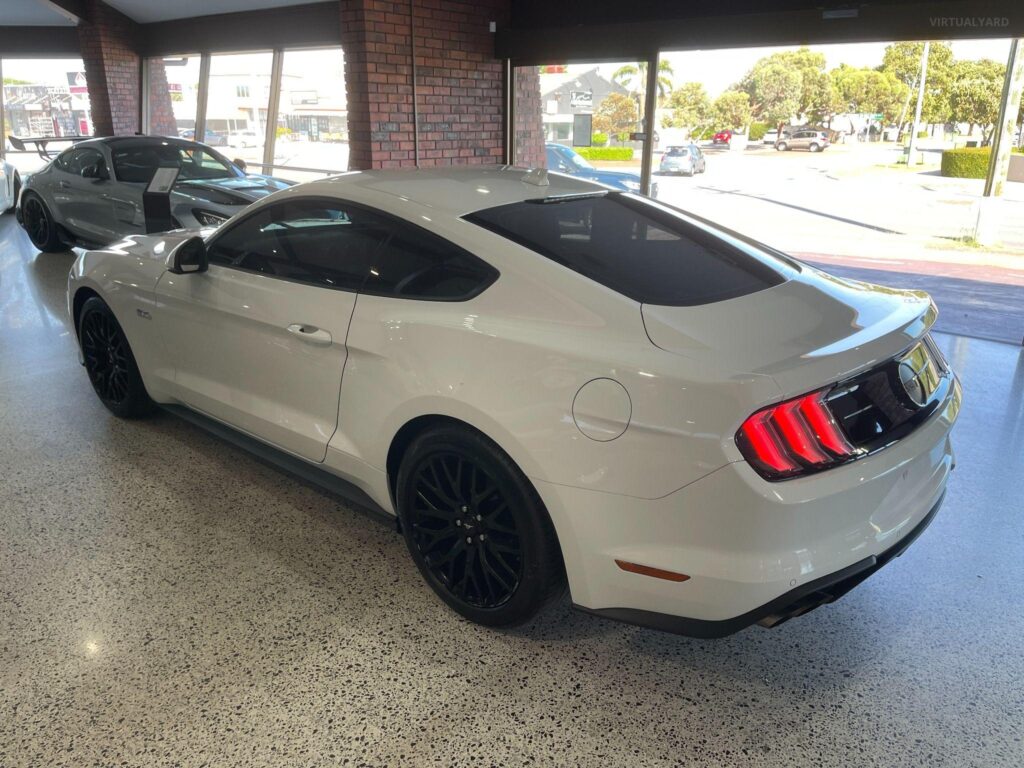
<point x="167" y="600"/>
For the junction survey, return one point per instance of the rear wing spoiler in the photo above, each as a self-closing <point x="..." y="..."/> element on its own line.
<point x="40" y="143"/>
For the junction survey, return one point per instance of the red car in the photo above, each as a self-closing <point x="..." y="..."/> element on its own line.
<point x="722" y="137"/>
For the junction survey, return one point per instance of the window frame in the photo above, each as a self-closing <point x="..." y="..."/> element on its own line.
<point x="392" y="220"/>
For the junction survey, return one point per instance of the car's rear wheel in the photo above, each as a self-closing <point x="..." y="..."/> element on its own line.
<point x="39" y="225"/>
<point x="110" y="363"/>
<point x="782" y="146"/>
<point x="815" y="147"/>
<point x="476" y="528"/>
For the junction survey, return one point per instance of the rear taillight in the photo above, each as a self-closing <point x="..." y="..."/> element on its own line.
<point x="794" y="438"/>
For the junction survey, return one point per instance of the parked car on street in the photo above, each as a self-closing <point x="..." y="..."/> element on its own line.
<point x="564" y="159"/>
<point x="243" y="139"/>
<point x="211" y="138"/>
<point x="722" y="137"/>
<point x="91" y="193"/>
<point x="687" y="160"/>
<point x="813" y="141"/>
<point x="770" y="137"/>
<point x="546" y="382"/>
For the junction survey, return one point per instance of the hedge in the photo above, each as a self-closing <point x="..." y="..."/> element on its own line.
<point x="969" y="162"/>
<point x="599" y="139"/>
<point x="606" y="153"/>
<point x="757" y="131"/>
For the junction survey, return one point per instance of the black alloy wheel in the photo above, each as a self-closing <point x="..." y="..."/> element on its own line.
<point x="476" y="528"/>
<point x="109" y="362"/>
<point x="39" y="225"/>
<point x="464" y="528"/>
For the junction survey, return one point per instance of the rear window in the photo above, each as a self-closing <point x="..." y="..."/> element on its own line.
<point x="643" y="250"/>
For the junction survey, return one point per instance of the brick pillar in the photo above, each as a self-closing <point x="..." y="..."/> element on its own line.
<point x="107" y="39"/>
<point x="458" y="82"/>
<point x="529" y="129"/>
<point x="162" y="121"/>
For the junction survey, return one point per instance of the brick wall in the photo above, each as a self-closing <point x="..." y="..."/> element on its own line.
<point x="107" y="39"/>
<point x="529" y="129"/>
<point x="458" y="82"/>
<point x="161" y="112"/>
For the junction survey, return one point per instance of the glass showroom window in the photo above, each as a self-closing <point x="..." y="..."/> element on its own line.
<point x="236" y="105"/>
<point x="43" y="97"/>
<point x="312" y="117"/>
<point x="173" y="96"/>
<point x="581" y="119"/>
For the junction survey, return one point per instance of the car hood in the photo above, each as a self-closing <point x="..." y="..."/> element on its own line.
<point x="239" y="190"/>
<point x="810" y="331"/>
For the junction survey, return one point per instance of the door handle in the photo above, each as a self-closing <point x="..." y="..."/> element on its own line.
<point x="310" y="333"/>
<point x="64" y="184"/>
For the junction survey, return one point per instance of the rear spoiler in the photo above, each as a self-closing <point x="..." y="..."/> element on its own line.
<point x="40" y="143"/>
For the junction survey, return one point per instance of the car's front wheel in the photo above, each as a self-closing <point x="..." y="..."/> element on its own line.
<point x="782" y="146"/>
<point x="110" y="363"/>
<point x="39" y="224"/>
<point x="476" y="528"/>
<point x="815" y="148"/>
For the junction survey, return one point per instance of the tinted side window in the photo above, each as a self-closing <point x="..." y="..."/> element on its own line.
<point x="313" y="241"/>
<point x="416" y="264"/>
<point x="639" y="249"/>
<point x="74" y="160"/>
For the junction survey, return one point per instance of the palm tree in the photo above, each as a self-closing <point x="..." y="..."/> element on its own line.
<point x="634" y="77"/>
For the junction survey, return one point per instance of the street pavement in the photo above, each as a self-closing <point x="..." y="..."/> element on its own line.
<point x="850" y="212"/>
<point x="850" y="200"/>
<point x="967" y="306"/>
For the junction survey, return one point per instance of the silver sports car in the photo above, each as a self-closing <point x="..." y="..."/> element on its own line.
<point x="92" y="193"/>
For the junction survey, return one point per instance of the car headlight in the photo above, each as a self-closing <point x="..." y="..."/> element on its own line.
<point x="632" y="186"/>
<point x="209" y="218"/>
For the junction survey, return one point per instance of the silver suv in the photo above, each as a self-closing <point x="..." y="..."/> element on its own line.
<point x="815" y="141"/>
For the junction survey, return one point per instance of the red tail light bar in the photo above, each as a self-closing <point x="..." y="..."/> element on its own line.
<point x="793" y="438"/>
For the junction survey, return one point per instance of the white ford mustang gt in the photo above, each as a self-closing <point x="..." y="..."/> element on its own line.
<point x="545" y="380"/>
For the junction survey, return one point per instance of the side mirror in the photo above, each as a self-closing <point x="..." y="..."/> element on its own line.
<point x="242" y="165"/>
<point x="189" y="257"/>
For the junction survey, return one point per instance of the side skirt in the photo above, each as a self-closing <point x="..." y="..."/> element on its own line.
<point x="292" y="465"/>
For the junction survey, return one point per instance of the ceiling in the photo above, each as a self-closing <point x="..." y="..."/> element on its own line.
<point x="31" y="13"/>
<point x="14" y="13"/>
<point x="146" y="11"/>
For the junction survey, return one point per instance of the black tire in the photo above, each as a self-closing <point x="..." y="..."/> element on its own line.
<point x="782" y="146"/>
<point x="815" y="147"/>
<point x="109" y="362"/>
<point x="39" y="224"/>
<point x="476" y="528"/>
<point x="17" y="190"/>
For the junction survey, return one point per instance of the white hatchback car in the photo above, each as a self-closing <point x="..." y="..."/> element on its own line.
<point x="545" y="380"/>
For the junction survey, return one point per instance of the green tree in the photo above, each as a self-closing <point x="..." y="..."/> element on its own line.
<point x="617" y="113"/>
<point x="790" y="83"/>
<point x="774" y="88"/>
<point x="869" y="91"/>
<point x="732" y="110"/>
<point x="688" y="107"/>
<point x="633" y="77"/>
<point x="975" y="94"/>
<point x="903" y="60"/>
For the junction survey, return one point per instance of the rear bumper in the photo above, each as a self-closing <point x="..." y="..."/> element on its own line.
<point x="753" y="551"/>
<point x="796" y="602"/>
